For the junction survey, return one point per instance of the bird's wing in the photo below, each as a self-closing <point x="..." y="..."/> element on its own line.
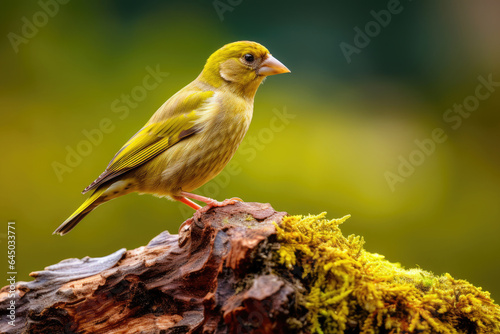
<point x="150" y="141"/>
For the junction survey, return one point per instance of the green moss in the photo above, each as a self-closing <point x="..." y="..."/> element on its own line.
<point x="351" y="290"/>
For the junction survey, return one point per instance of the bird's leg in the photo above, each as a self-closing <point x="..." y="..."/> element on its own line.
<point x="188" y="202"/>
<point x="211" y="203"/>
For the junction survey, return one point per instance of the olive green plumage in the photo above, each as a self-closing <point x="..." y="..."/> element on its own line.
<point x="192" y="136"/>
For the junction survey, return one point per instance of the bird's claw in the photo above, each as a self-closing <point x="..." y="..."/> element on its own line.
<point x="230" y="201"/>
<point x="217" y="204"/>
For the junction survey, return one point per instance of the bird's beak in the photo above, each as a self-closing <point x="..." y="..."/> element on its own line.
<point x="272" y="66"/>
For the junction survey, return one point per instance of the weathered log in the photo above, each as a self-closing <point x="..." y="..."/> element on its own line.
<point x="245" y="268"/>
<point x="216" y="282"/>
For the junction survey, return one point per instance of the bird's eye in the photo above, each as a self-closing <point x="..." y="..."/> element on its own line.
<point x="249" y="57"/>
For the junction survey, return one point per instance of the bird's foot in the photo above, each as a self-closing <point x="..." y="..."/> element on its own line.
<point x="216" y="204"/>
<point x="210" y="203"/>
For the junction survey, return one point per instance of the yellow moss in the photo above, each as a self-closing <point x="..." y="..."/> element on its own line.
<point x="351" y="289"/>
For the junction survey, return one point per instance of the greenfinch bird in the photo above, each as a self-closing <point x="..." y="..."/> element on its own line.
<point x="191" y="137"/>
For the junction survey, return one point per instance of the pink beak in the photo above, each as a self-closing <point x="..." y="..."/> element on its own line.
<point x="272" y="66"/>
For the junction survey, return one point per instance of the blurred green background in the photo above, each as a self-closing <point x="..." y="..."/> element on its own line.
<point x="348" y="123"/>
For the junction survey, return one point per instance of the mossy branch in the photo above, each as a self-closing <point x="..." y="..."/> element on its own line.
<point x="246" y="268"/>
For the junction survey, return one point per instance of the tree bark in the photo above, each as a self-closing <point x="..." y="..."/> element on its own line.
<point x="215" y="282"/>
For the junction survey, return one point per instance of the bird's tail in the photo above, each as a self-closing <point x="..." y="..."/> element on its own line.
<point x="90" y="204"/>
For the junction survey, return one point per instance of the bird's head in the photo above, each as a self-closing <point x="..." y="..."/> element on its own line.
<point x="241" y="66"/>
